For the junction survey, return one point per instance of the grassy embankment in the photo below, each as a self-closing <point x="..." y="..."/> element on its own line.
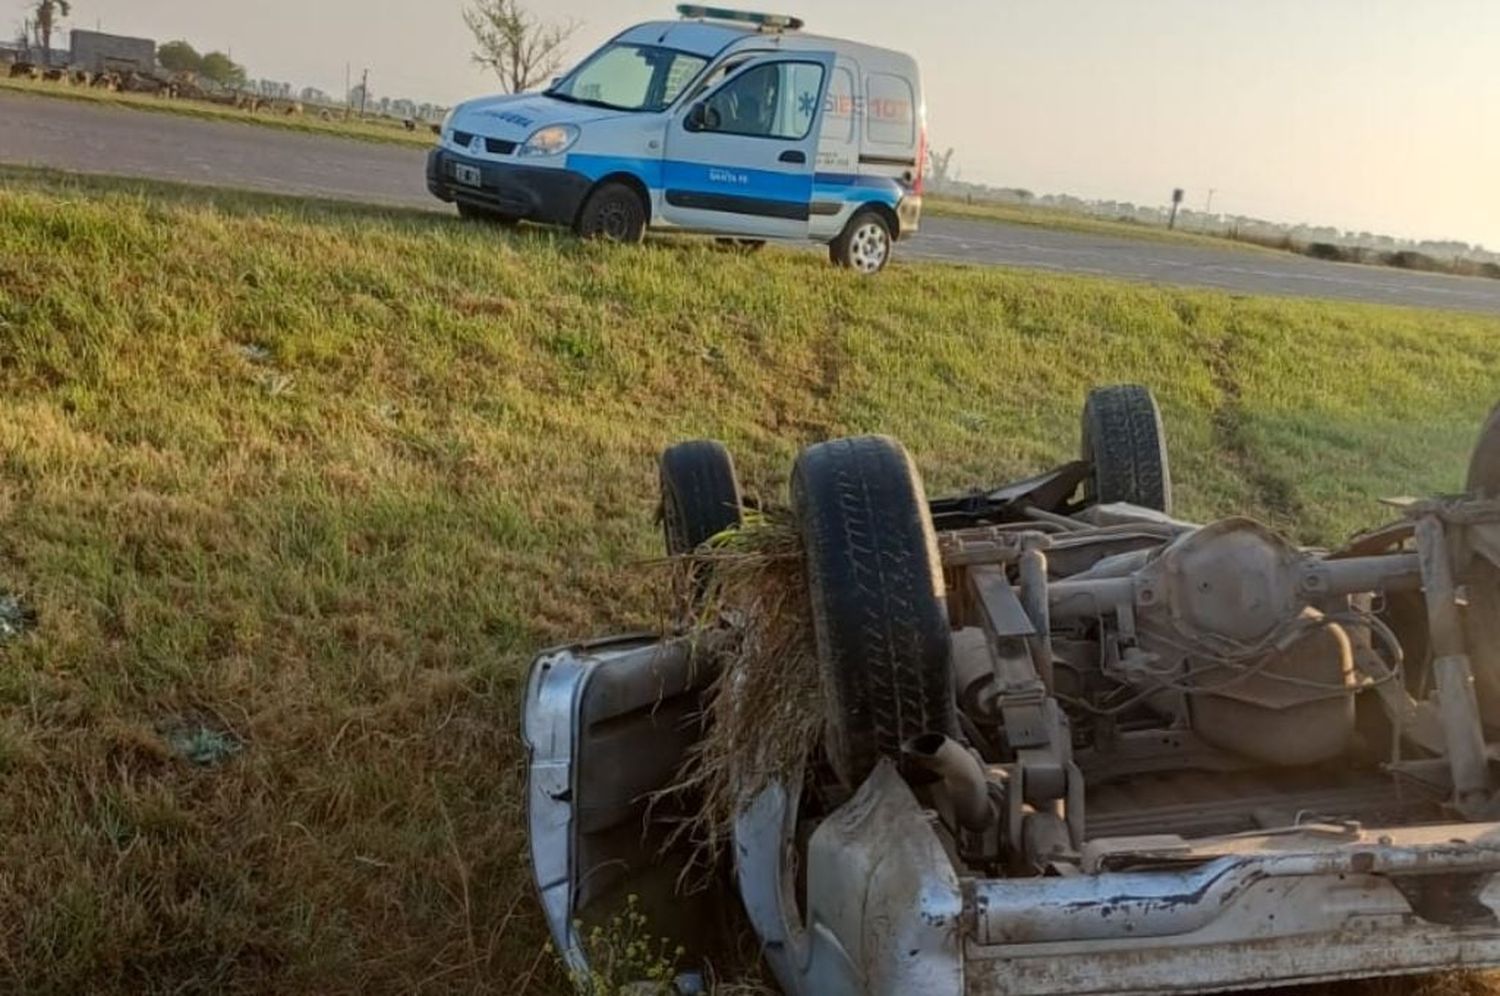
<point x="369" y="130"/>
<point x="296" y="488"/>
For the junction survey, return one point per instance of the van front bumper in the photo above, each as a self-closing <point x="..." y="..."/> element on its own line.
<point x="535" y="193"/>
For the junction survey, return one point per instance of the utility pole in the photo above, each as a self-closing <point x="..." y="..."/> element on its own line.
<point x="1208" y="206"/>
<point x="364" y="92"/>
<point x="347" y="88"/>
<point x="1176" y="203"/>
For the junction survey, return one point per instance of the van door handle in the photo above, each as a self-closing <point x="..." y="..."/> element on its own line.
<point x="793" y="156"/>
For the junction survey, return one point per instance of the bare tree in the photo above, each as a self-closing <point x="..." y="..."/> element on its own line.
<point x="938" y="165"/>
<point x="521" y="49"/>
<point x="48" y="13"/>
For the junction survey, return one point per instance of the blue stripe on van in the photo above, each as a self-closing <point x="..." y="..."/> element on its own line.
<point x="648" y="171"/>
<point x="858" y="188"/>
<point x="764" y="185"/>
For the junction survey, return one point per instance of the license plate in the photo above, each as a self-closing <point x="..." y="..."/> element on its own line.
<point x="467" y="175"/>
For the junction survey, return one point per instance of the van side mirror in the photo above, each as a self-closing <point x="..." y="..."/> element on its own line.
<point x="697" y="117"/>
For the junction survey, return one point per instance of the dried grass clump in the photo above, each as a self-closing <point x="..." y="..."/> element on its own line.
<point x="764" y="712"/>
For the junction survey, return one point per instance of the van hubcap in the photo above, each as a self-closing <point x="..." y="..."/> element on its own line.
<point x="869" y="247"/>
<point x="614" y="222"/>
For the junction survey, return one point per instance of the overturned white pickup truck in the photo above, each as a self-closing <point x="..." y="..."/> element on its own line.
<point x="1073" y="745"/>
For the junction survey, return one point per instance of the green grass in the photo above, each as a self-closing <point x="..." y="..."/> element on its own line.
<point x="368" y="130"/>
<point x="304" y="485"/>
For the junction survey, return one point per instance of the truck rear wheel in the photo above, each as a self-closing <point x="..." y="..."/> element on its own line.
<point x="1482" y="616"/>
<point x="1124" y="442"/>
<point x="700" y="494"/>
<point x="878" y="604"/>
<point x="1484" y="465"/>
<point x="613" y="212"/>
<point x="864" y="245"/>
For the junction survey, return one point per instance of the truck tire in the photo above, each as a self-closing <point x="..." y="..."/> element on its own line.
<point x="878" y="605"/>
<point x="700" y="494"/>
<point x="613" y="212"/>
<point x="864" y="245"/>
<point x="1484" y="466"/>
<point x="1482" y="616"/>
<point x="1124" y="442"/>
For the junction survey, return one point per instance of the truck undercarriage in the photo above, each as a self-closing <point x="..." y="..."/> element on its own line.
<point x="1072" y="744"/>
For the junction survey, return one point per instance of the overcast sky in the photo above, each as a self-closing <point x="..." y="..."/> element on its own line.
<point x="1365" y="114"/>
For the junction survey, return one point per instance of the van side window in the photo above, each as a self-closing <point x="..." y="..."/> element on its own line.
<point x="773" y="100"/>
<point x="839" y="106"/>
<point x="890" y="113"/>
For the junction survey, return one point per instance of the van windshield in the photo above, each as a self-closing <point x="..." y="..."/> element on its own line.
<point x="625" y="77"/>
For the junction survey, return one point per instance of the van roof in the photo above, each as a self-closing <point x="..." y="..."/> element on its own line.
<point x="709" y="38"/>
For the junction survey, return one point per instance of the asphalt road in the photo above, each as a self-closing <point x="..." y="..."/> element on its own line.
<point x="89" y="138"/>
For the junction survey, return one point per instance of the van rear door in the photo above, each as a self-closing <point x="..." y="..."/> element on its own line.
<point x="740" y="160"/>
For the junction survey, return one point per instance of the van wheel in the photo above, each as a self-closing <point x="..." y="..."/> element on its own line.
<point x="613" y="212"/>
<point x="864" y="245"/>
<point x="473" y="212"/>
<point x="878" y="608"/>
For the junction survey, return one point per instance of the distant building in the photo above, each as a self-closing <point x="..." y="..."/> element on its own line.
<point x="20" y="52"/>
<point x="98" y="52"/>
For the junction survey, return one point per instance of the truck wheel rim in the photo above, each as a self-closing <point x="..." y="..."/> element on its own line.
<point x="868" y="247"/>
<point x="614" y="223"/>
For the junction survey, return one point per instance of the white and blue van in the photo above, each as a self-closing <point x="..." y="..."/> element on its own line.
<point x="722" y="123"/>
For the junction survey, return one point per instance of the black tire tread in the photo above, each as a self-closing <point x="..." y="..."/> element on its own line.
<point x="1124" y="440"/>
<point x="700" y="494"/>
<point x="1484" y="465"/>
<point x="877" y="600"/>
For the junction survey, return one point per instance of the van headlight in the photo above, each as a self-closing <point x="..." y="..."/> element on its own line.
<point x="549" y="141"/>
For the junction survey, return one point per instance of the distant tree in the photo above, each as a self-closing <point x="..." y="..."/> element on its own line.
<point x="521" y="49"/>
<point x="179" y="57"/>
<point x="222" y="70"/>
<point x="48" y="13"/>
<point x="939" y="165"/>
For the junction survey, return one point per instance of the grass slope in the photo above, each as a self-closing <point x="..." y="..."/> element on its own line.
<point x="369" y="130"/>
<point x="316" y="479"/>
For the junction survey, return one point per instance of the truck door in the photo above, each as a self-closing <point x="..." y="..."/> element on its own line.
<point x="740" y="159"/>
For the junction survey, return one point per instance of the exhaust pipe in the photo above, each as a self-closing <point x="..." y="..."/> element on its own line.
<point x="962" y="779"/>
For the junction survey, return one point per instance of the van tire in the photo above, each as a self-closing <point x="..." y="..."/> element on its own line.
<point x="613" y="212"/>
<point x="865" y="243"/>
<point x="875" y="588"/>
